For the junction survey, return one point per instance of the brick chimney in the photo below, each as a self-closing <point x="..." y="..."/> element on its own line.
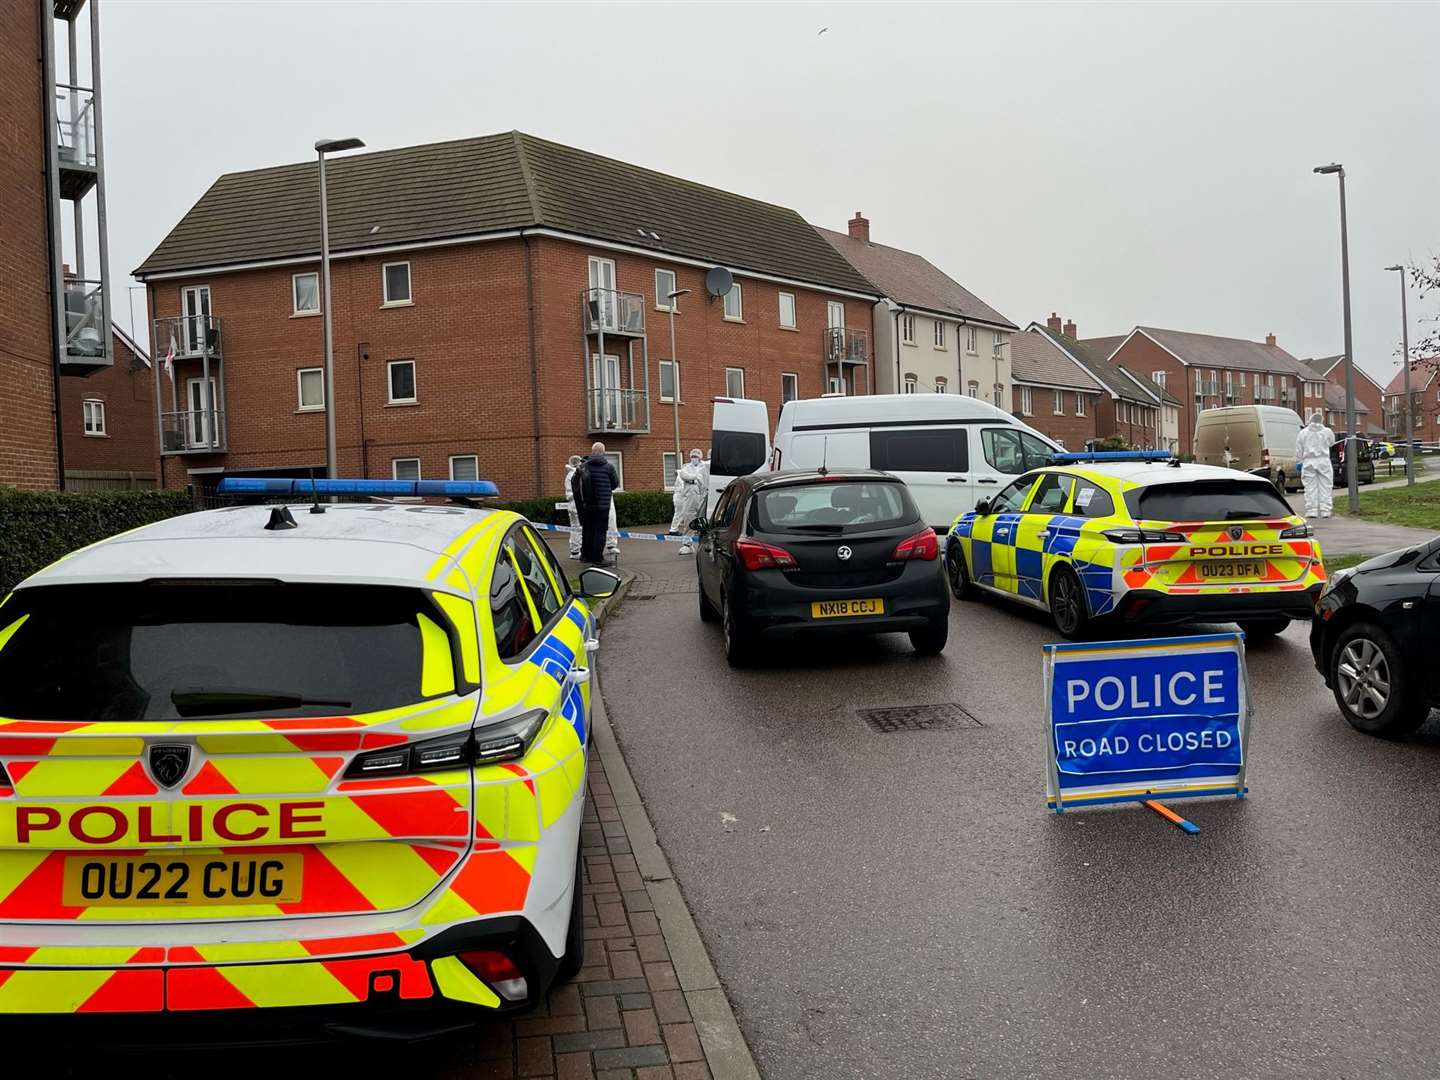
<point x="1269" y="339"/>
<point x="1070" y="328"/>
<point x="1053" y="323"/>
<point x="859" y="227"/>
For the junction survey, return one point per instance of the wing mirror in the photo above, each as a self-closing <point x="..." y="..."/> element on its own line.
<point x="982" y="508"/>
<point x="698" y="524"/>
<point x="596" y="584"/>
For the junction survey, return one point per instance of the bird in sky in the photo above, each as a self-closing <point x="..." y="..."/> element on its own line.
<point x="822" y="30"/>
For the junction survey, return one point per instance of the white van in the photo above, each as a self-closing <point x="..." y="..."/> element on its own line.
<point x="1257" y="439"/>
<point x="950" y="450"/>
<point x="739" y="442"/>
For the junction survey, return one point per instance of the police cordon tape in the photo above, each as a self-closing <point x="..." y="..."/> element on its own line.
<point x="624" y="534"/>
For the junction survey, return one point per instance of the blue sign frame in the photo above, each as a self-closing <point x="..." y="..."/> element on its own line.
<point x="1160" y="718"/>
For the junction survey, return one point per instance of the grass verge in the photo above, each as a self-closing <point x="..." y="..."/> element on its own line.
<point x="1416" y="507"/>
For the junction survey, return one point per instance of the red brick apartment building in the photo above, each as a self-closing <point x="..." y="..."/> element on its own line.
<point x="1424" y="399"/>
<point x="53" y="325"/>
<point x="476" y="286"/>
<point x="108" y="423"/>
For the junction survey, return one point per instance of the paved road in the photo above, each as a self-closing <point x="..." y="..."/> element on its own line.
<point x="901" y="905"/>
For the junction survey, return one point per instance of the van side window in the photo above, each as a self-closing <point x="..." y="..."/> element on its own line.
<point x="1092" y="501"/>
<point x="1037" y="454"/>
<point x="919" y="450"/>
<point x="1011" y="451"/>
<point x="736" y="453"/>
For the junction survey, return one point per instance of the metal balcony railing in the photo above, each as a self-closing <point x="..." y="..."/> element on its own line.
<point x="612" y="312"/>
<point x="84" y="317"/>
<point x="75" y="123"/>
<point x="192" y="431"/>
<point x="190" y="335"/>
<point x="617" y="411"/>
<point x="1264" y="393"/>
<point x="844" y="346"/>
<point x="1209" y="387"/>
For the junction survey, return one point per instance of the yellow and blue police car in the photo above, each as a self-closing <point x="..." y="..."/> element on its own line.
<point x="323" y="767"/>
<point x="1136" y="537"/>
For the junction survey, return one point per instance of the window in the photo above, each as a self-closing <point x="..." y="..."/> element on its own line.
<point x="1207" y="500"/>
<point x="907" y="329"/>
<point x="836" y="385"/>
<point x="1051" y="494"/>
<point x="311" y="385"/>
<point x="972" y="340"/>
<point x="997" y="346"/>
<point x="405" y="468"/>
<point x="464" y="467"/>
<point x="973" y="389"/>
<point x="1012" y="497"/>
<point x="997" y="394"/>
<point x="402" y="381"/>
<point x="940" y="385"/>
<point x="1242" y="381"/>
<point x="668" y="469"/>
<point x="736" y="453"/>
<point x="1008" y="450"/>
<point x="789" y="386"/>
<point x="617" y="458"/>
<point x="1059" y="402"/>
<point x="548" y="558"/>
<point x="944" y="450"/>
<point x="939" y="334"/>
<point x="787" y="310"/>
<point x="835" y="509"/>
<point x="305" y="293"/>
<point x="514" y="628"/>
<point x="93" y="415"/>
<point x="1092" y="501"/>
<point x="910" y="384"/>
<point x="397" y="282"/>
<point x="734" y="304"/>
<point x="734" y="382"/>
<point x="1158" y="378"/>
<point x="664" y="286"/>
<point x="532" y="573"/>
<point x="1079" y="403"/>
<point x="669" y="380"/>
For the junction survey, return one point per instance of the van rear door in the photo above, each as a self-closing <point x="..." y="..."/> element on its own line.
<point x="739" y="442"/>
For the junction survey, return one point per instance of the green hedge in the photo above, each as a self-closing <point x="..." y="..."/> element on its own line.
<point x="37" y="527"/>
<point x="631" y="508"/>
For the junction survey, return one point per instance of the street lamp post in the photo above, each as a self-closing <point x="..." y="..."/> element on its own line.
<point x="1405" y="359"/>
<point x="323" y="147"/>
<point x="675" y="369"/>
<point x="1351" y="465"/>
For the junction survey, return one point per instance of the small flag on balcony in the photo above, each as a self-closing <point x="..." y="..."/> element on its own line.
<point x="170" y="360"/>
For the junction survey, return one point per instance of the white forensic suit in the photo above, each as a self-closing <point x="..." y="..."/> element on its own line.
<point x="692" y="484"/>
<point x="1312" y="454"/>
<point x="570" y="467"/>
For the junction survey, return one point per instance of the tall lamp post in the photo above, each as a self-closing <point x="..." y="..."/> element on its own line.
<point x="675" y="367"/>
<point x="1405" y="359"/>
<point x="323" y="147"/>
<point x="1351" y="466"/>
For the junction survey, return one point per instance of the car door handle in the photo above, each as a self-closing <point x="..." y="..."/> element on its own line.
<point x="592" y="645"/>
<point x="955" y="479"/>
<point x="986" y="480"/>
<point x="577" y="675"/>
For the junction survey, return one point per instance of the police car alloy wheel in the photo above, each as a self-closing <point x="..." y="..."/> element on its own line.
<point x="959" y="576"/>
<point x="1067" y="602"/>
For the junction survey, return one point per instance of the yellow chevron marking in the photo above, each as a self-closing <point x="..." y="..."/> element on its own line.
<point x="86" y="746"/>
<point x="231" y="951"/>
<point x="287" y="984"/>
<point x="15" y="867"/>
<point x="260" y="776"/>
<point x="490" y="802"/>
<point x="522" y="821"/>
<point x="50" y="991"/>
<point x="457" y="982"/>
<point x="232" y="913"/>
<point x="9" y="631"/>
<point x="387" y="880"/>
<point x="80" y="955"/>
<point x="450" y="714"/>
<point x="524" y="855"/>
<point x="267" y="743"/>
<point x="72" y="776"/>
<point x="409" y="937"/>
<point x="448" y="909"/>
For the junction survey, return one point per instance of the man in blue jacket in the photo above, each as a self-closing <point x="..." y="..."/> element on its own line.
<point x="593" y="486"/>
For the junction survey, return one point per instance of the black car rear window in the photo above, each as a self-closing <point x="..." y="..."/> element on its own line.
<point x="834" y="507"/>
<point x="162" y="652"/>
<point x="1206" y="500"/>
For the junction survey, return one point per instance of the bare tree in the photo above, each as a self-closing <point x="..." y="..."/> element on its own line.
<point x="1425" y="352"/>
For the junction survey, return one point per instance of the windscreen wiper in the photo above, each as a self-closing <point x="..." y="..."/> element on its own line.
<point x="211" y="700"/>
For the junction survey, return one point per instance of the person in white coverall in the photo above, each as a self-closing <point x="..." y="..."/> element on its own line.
<point x="1312" y="454"/>
<point x="692" y="483"/>
<point x="570" y="467"/>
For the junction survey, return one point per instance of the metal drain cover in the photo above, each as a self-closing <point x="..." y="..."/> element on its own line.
<point x="945" y="717"/>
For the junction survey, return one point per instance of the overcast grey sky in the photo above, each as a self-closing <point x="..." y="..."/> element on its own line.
<point x="1117" y="163"/>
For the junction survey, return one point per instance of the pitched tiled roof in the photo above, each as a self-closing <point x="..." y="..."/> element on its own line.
<point x="1421" y="375"/>
<point x="1034" y="358"/>
<point x="1094" y="354"/>
<point x="1210" y="351"/>
<point x="1335" y="399"/>
<point x="913" y="281"/>
<point x="491" y="184"/>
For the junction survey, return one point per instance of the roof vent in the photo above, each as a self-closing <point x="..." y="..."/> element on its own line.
<point x="281" y="518"/>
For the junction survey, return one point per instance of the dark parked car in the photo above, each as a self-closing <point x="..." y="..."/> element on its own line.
<point x="812" y="552"/>
<point x="1375" y="639"/>
<point x="1366" y="473"/>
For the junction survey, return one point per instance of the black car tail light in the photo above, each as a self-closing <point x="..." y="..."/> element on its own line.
<point x="506" y="741"/>
<point x="754" y="555"/>
<point x="923" y="545"/>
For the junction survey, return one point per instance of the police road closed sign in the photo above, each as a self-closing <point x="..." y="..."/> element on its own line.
<point x="1128" y="721"/>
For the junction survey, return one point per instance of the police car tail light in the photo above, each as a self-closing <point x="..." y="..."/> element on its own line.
<point x="1142" y="536"/>
<point x="923" y="545"/>
<point x="1297" y="532"/>
<point x="505" y="741"/>
<point x="754" y="555"/>
<point x="497" y="970"/>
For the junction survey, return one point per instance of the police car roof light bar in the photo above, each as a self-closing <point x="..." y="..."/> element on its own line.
<point x="246" y="485"/>
<point x="1074" y="456"/>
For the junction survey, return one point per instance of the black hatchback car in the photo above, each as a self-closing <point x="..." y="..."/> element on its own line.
<point x="801" y="552"/>
<point x="1375" y="638"/>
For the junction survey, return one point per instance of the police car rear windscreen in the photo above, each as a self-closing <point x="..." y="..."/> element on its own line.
<point x="1207" y="500"/>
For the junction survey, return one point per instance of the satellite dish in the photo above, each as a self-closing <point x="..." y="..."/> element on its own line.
<point x="719" y="281"/>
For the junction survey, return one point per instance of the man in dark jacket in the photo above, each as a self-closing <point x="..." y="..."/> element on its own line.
<point x="593" y="485"/>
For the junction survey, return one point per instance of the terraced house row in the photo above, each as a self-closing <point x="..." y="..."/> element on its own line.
<point x="501" y="302"/>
